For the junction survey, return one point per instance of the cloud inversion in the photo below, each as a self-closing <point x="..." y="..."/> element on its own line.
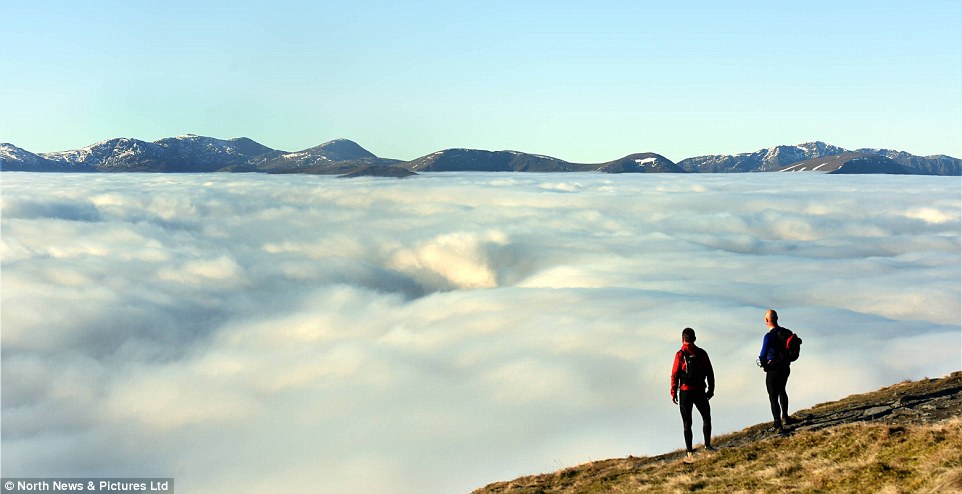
<point x="252" y="333"/>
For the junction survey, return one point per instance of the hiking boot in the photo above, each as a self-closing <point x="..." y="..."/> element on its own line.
<point x="711" y="449"/>
<point x="691" y="454"/>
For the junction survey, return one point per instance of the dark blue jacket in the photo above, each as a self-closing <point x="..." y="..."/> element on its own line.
<point x="771" y="353"/>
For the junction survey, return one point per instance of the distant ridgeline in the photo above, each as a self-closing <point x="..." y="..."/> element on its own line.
<point x="198" y="154"/>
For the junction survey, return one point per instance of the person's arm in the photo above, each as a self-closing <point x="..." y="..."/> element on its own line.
<point x="710" y="375"/>
<point x="763" y="355"/>
<point x="675" y="367"/>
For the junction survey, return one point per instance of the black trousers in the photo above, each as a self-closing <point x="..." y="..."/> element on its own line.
<point x="697" y="399"/>
<point x="776" y="379"/>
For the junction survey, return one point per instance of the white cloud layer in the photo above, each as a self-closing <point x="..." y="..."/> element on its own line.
<point x="259" y="334"/>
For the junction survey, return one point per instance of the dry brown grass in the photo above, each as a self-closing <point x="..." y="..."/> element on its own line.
<point x="842" y="446"/>
<point x="861" y="457"/>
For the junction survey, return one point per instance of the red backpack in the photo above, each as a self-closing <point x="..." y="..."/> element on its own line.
<point x="792" y="345"/>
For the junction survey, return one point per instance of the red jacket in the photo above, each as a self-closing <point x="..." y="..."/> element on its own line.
<point x="676" y="369"/>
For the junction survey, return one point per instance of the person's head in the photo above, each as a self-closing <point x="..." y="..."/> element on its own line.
<point x="771" y="318"/>
<point x="688" y="335"/>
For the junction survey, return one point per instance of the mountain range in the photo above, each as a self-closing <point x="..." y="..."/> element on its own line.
<point x="198" y="154"/>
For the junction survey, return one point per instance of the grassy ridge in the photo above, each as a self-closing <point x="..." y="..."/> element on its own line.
<point x="861" y="457"/>
<point x="852" y="445"/>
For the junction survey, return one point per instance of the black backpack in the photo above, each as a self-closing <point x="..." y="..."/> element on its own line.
<point x="790" y="345"/>
<point x="692" y="368"/>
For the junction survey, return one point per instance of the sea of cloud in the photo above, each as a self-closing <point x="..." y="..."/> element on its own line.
<point x="260" y="334"/>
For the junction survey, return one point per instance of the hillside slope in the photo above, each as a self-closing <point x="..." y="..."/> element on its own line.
<point x="849" y="163"/>
<point x="902" y="438"/>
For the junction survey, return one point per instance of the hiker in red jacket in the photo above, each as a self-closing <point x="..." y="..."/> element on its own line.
<point x="688" y="375"/>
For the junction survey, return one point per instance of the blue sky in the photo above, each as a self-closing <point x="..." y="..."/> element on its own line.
<point x="579" y="81"/>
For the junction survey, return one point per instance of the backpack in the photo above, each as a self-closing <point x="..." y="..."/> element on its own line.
<point x="692" y="368"/>
<point x="791" y="345"/>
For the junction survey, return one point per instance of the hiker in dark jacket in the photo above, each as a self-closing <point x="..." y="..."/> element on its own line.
<point x="691" y="370"/>
<point x="777" y="367"/>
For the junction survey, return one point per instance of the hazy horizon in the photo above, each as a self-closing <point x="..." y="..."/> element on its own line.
<point x="263" y="333"/>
